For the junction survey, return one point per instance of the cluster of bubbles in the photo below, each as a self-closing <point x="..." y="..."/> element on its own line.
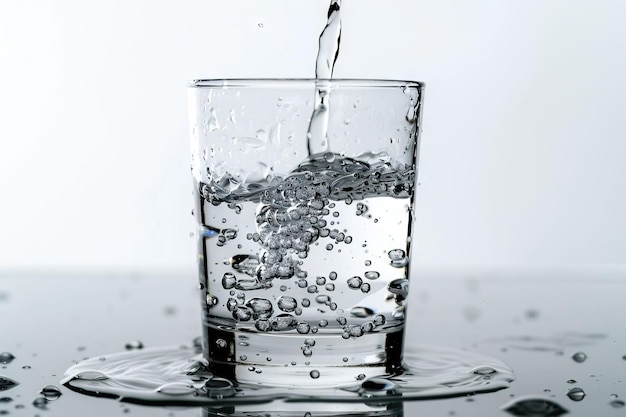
<point x="291" y="216"/>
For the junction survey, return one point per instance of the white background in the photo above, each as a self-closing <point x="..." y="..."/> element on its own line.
<point x="523" y="146"/>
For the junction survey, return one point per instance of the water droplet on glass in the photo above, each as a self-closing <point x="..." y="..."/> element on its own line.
<point x="314" y="374"/>
<point x="535" y="407"/>
<point x="617" y="403"/>
<point x="6" y="357"/>
<point x="361" y="312"/>
<point x="399" y="286"/>
<point x="229" y="280"/>
<point x="50" y="392"/>
<point x="365" y="288"/>
<point x="134" y="344"/>
<point x="579" y="357"/>
<point x="576" y="394"/>
<point x="7" y="383"/>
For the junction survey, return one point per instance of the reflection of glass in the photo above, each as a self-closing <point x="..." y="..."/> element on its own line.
<point x="306" y="409"/>
<point x="304" y="257"/>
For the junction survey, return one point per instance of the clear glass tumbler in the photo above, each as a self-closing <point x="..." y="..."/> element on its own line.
<point x="304" y="202"/>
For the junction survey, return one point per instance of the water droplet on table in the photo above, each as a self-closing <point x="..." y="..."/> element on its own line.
<point x="7" y="383"/>
<point x="534" y="407"/>
<point x="50" y="392"/>
<point x="6" y="357"/>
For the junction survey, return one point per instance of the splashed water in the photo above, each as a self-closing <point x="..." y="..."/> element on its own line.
<point x="180" y="376"/>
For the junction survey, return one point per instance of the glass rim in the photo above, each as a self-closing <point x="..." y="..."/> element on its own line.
<point x="275" y="82"/>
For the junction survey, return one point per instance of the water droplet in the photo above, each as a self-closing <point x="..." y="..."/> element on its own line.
<point x="5" y="399"/>
<point x="7" y="383"/>
<point x="617" y="403"/>
<point x="571" y="381"/>
<point x="287" y="303"/>
<point x="175" y="388"/>
<point x="342" y="321"/>
<point x="260" y="25"/>
<point x="365" y="288"/>
<point x="579" y="357"/>
<point x="379" y="320"/>
<point x="361" y="312"/>
<point x="330" y="287"/>
<point x="6" y="357"/>
<point x="50" y="392"/>
<point x="534" y="407"/>
<point x="329" y="246"/>
<point x="322" y="299"/>
<point x="323" y="323"/>
<point x="372" y="275"/>
<point x="355" y="282"/>
<point x="484" y="370"/>
<point x="91" y="376"/>
<point x="305" y="302"/>
<point x="576" y="394"/>
<point x="221" y="343"/>
<point x="40" y="403"/>
<point x="333" y="276"/>
<point x="134" y="344"/>
<point x="314" y="374"/>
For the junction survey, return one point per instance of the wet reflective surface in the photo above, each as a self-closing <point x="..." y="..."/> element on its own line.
<point x="562" y="332"/>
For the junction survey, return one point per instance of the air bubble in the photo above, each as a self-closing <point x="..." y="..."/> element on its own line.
<point x="229" y="280"/>
<point x="579" y="357"/>
<point x="261" y="308"/>
<point x="538" y="407"/>
<point x="484" y="370"/>
<point x="365" y="288"/>
<point x="314" y="374"/>
<point x="303" y="328"/>
<point x="175" y="388"/>
<point x="617" y="404"/>
<point x="40" y="403"/>
<point x="355" y="283"/>
<point x="323" y="323"/>
<point x="287" y="303"/>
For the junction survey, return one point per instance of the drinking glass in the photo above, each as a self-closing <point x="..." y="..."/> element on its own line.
<point x="304" y="193"/>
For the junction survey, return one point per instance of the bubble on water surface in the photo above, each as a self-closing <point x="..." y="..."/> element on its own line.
<point x="6" y="357"/>
<point x="50" y="392"/>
